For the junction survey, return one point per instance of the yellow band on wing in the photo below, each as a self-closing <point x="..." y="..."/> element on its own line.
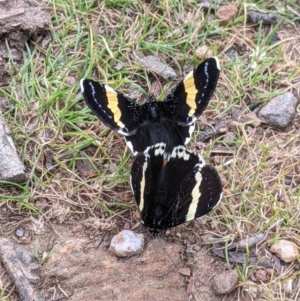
<point x="191" y="91"/>
<point x="195" y="197"/>
<point x="112" y="104"/>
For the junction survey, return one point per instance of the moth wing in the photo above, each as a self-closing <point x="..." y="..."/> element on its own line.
<point x="114" y="109"/>
<point x="180" y="164"/>
<point x="210" y="192"/>
<point x="190" y="97"/>
<point x="143" y="138"/>
<point x="199" y="193"/>
<point x="144" y="172"/>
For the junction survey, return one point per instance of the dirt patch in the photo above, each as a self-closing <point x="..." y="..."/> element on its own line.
<point x="76" y="268"/>
<point x="20" y="21"/>
<point x="86" y="273"/>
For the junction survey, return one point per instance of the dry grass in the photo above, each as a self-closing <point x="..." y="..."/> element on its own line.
<point x="261" y="179"/>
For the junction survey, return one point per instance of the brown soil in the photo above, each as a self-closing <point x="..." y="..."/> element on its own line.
<point x="20" y="21"/>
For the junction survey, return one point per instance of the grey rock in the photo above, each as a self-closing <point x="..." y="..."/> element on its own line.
<point x="280" y="110"/>
<point x="232" y="54"/>
<point x="11" y="167"/>
<point x="264" y="18"/>
<point x="23" y="269"/>
<point x="285" y="250"/>
<point x="154" y="64"/>
<point x="225" y="282"/>
<point x="127" y="243"/>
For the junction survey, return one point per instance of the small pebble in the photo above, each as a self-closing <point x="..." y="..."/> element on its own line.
<point x="261" y="275"/>
<point x="280" y="110"/>
<point x="185" y="271"/>
<point x="127" y="243"/>
<point x="287" y="181"/>
<point x="225" y="282"/>
<point x="232" y="54"/>
<point x="197" y="248"/>
<point x="286" y="250"/>
<point x="168" y="232"/>
<point x="226" y="13"/>
<point x="118" y="66"/>
<point x="71" y="80"/>
<point x="20" y="232"/>
<point x="203" y="52"/>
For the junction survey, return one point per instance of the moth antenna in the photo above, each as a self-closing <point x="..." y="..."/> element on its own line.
<point x="167" y="253"/>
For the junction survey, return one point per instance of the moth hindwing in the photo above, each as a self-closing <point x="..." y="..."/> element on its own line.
<point x="171" y="188"/>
